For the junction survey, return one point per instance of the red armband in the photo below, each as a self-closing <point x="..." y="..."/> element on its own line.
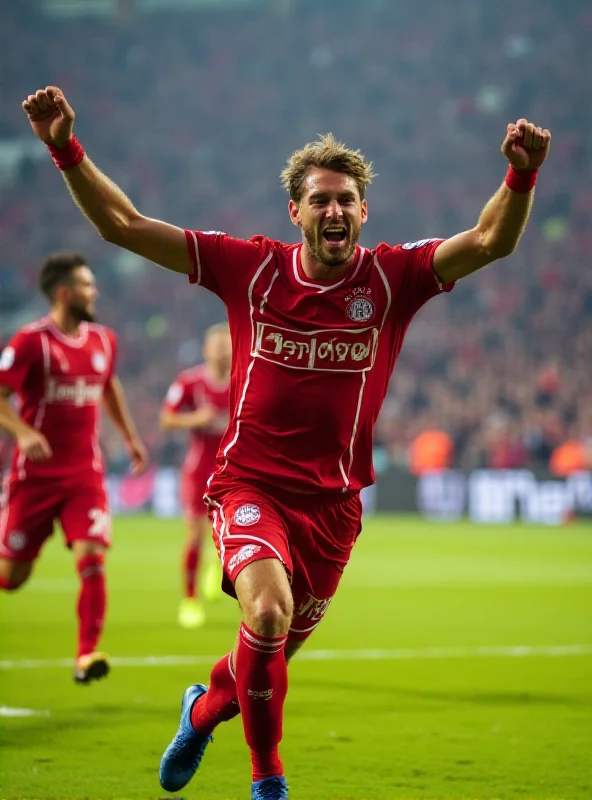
<point x="68" y="155"/>
<point x="521" y="181"/>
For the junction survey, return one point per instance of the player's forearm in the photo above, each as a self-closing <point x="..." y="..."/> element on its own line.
<point x="503" y="220"/>
<point x="182" y="421"/>
<point x="101" y="200"/>
<point x="117" y="410"/>
<point x="10" y="420"/>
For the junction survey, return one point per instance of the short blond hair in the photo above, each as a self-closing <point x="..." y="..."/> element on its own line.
<point x="326" y="153"/>
<point x="219" y="327"/>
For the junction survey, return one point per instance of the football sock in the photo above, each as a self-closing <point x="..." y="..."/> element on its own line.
<point x="262" y="684"/>
<point x="220" y="702"/>
<point x="190" y="567"/>
<point x="92" y="602"/>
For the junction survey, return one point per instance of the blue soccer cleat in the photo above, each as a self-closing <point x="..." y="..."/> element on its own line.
<point x="184" y="754"/>
<point x="274" y="788"/>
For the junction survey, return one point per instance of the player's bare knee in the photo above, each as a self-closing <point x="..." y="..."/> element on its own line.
<point x="13" y="574"/>
<point x="270" y="615"/>
<point x="83" y="548"/>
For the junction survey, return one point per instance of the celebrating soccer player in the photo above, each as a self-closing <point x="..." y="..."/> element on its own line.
<point x="197" y="402"/>
<point x="316" y="329"/>
<point x="62" y="368"/>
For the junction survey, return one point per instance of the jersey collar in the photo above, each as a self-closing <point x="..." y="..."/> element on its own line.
<point x="324" y="286"/>
<point x="71" y="341"/>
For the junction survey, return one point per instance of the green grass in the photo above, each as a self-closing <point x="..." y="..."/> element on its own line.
<point x="459" y="727"/>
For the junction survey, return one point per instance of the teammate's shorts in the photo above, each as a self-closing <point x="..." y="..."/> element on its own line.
<point x="193" y="487"/>
<point x="312" y="535"/>
<point x="29" y="509"/>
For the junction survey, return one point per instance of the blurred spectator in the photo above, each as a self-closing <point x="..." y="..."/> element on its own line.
<point x="430" y="451"/>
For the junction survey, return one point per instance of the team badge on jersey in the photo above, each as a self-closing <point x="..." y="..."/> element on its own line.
<point x="360" y="307"/>
<point x="360" y="310"/>
<point x="247" y="515"/>
<point x="16" y="540"/>
<point x="99" y="362"/>
<point x="7" y="358"/>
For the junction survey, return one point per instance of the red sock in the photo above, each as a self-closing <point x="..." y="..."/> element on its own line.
<point x="262" y="685"/>
<point x="220" y="702"/>
<point x="92" y="602"/>
<point x="5" y="584"/>
<point x="190" y="567"/>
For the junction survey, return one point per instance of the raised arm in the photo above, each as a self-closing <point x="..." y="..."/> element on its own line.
<point x="100" y="200"/>
<point x="504" y="218"/>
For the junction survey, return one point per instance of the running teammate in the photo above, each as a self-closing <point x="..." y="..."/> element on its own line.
<point x="62" y="369"/>
<point x="197" y="401"/>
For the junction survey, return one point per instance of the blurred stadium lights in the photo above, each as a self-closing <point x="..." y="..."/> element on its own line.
<point x="77" y="8"/>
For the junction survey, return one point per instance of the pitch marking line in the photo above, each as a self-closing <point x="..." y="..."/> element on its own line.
<point x="402" y="654"/>
<point x="9" y="711"/>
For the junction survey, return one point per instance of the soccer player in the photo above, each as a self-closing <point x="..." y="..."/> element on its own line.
<point x="197" y="402"/>
<point x="316" y="329"/>
<point x="62" y="368"/>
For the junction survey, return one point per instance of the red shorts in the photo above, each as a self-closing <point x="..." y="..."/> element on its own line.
<point x="29" y="509"/>
<point x="193" y="487"/>
<point x="312" y="535"/>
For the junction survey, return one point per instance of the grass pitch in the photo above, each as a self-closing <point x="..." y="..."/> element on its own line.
<point x="467" y="673"/>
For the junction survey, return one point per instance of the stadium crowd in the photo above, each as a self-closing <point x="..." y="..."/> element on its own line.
<point x="194" y="113"/>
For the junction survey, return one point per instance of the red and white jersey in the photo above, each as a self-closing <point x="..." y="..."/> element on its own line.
<point x="192" y="389"/>
<point x="59" y="382"/>
<point x="311" y="360"/>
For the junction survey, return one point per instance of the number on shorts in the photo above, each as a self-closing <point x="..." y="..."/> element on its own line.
<point x="100" y="522"/>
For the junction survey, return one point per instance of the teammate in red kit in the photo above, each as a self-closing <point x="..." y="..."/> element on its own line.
<point x="197" y="402"/>
<point x="316" y="329"/>
<point x="61" y="369"/>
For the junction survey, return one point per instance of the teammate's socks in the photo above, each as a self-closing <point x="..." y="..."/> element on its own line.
<point x="262" y="684"/>
<point x="92" y="602"/>
<point x="220" y="702"/>
<point x="190" y="566"/>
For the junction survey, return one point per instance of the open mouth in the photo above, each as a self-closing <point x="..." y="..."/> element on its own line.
<point x="335" y="234"/>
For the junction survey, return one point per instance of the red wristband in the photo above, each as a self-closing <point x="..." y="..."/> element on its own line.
<point x="69" y="155"/>
<point x="521" y="181"/>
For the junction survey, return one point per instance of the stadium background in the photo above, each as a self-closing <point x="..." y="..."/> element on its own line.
<point x="192" y="107"/>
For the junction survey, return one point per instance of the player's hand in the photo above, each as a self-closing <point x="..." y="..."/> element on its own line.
<point x="50" y="115"/>
<point x="34" y="445"/>
<point x="138" y="454"/>
<point x="526" y="146"/>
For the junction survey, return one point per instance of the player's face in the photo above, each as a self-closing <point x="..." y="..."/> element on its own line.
<point x="81" y="295"/>
<point x="331" y="215"/>
<point x="218" y="352"/>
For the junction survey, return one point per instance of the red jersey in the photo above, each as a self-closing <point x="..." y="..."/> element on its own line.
<point x="311" y="360"/>
<point x="192" y="389"/>
<point x="59" y="381"/>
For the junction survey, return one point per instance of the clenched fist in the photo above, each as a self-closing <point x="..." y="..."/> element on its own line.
<point x="526" y="146"/>
<point x="51" y="118"/>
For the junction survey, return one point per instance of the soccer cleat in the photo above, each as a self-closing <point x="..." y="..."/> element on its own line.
<point x="91" y="667"/>
<point x="191" y="613"/>
<point x="274" y="788"/>
<point x="184" y="754"/>
<point x="212" y="580"/>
